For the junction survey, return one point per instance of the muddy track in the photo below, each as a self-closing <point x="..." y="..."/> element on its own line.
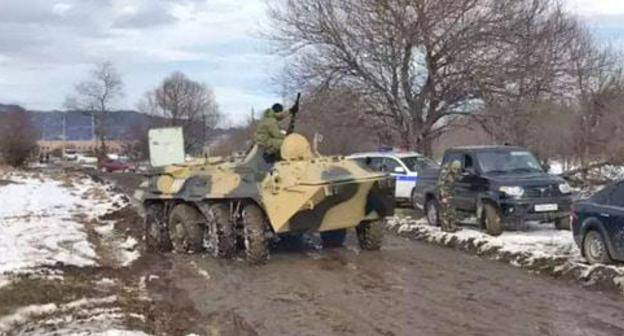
<point x="407" y="288"/>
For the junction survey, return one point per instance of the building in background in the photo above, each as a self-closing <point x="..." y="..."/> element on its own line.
<point x="83" y="146"/>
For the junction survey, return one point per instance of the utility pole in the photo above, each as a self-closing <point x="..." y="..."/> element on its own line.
<point x="204" y="132"/>
<point x="93" y="131"/>
<point x="64" y="133"/>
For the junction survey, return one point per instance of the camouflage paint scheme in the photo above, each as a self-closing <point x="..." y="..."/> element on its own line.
<point x="449" y="175"/>
<point x="303" y="192"/>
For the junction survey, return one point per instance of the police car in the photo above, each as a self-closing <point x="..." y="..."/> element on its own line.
<point x="404" y="166"/>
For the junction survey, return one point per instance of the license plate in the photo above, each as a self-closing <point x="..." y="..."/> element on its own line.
<point x="546" y="207"/>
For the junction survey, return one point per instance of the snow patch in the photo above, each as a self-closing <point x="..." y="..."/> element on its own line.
<point x="129" y="251"/>
<point x="24" y="314"/>
<point x="86" y="316"/>
<point x="107" y="282"/>
<point x="201" y="271"/>
<point x="538" y="247"/>
<point x="538" y="241"/>
<point x="37" y="226"/>
<point x="42" y="222"/>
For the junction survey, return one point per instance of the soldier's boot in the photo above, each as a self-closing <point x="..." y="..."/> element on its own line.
<point x="453" y="228"/>
<point x="446" y="224"/>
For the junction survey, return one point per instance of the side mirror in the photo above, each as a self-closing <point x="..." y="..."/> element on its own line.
<point x="399" y="170"/>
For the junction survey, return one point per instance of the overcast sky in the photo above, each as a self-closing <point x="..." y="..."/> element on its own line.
<point x="46" y="46"/>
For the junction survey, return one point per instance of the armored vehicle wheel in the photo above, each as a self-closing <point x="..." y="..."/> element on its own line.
<point x="334" y="238"/>
<point x="156" y="234"/>
<point x="492" y="220"/>
<point x="255" y="233"/>
<point x="186" y="229"/>
<point x="220" y="235"/>
<point x="563" y="223"/>
<point x="370" y="234"/>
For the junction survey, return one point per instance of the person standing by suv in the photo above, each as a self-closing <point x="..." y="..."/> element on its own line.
<point x="446" y="187"/>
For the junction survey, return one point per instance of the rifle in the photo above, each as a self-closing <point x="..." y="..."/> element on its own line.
<point x="293" y="114"/>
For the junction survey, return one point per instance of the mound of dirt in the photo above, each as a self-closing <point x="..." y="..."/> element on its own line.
<point x="127" y="220"/>
<point x="539" y="250"/>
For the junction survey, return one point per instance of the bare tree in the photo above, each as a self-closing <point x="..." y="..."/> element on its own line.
<point x="18" y="137"/>
<point x="185" y="103"/>
<point x="598" y="95"/>
<point x="335" y="116"/>
<point x="96" y="96"/>
<point x="416" y="62"/>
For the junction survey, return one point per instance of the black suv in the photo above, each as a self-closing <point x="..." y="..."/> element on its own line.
<point x="501" y="185"/>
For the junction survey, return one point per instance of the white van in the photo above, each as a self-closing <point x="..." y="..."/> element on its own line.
<point x="70" y="154"/>
<point x="404" y="166"/>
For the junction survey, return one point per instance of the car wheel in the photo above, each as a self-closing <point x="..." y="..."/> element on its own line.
<point x="433" y="212"/>
<point x="563" y="223"/>
<point x="334" y="238"/>
<point x="492" y="220"/>
<point x="595" y="249"/>
<point x="414" y="203"/>
<point x="186" y="229"/>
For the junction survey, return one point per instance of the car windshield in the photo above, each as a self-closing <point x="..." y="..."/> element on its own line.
<point x="417" y="163"/>
<point x="502" y="162"/>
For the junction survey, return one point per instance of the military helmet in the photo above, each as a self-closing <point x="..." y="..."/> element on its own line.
<point x="277" y="107"/>
<point x="455" y="165"/>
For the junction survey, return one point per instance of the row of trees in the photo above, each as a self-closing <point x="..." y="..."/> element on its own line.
<point x="176" y="101"/>
<point x="522" y="71"/>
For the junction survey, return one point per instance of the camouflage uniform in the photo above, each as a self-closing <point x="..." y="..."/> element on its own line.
<point x="446" y="185"/>
<point x="269" y="136"/>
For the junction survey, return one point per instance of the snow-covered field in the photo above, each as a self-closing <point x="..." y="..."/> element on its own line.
<point x="49" y="222"/>
<point x="539" y="248"/>
<point x="98" y="316"/>
<point x="42" y="221"/>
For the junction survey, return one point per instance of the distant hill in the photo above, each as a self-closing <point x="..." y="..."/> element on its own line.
<point x="78" y="123"/>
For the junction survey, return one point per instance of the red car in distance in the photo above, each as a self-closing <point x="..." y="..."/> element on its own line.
<point x="114" y="166"/>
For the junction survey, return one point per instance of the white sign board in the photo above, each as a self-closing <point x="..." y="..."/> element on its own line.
<point x="166" y="146"/>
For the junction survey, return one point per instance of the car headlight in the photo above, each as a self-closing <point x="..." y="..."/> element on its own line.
<point x="514" y="191"/>
<point x="565" y="188"/>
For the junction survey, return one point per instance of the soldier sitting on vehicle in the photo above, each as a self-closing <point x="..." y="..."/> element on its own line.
<point x="268" y="135"/>
<point x="449" y="175"/>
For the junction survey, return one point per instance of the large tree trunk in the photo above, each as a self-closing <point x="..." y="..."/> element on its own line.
<point x="425" y="146"/>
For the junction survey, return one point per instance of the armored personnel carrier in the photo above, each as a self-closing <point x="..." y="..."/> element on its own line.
<point x="226" y="206"/>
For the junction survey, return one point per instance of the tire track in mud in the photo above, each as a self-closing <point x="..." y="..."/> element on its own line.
<point x="407" y="288"/>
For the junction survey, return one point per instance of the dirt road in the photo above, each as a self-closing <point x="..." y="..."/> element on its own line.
<point x="407" y="288"/>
